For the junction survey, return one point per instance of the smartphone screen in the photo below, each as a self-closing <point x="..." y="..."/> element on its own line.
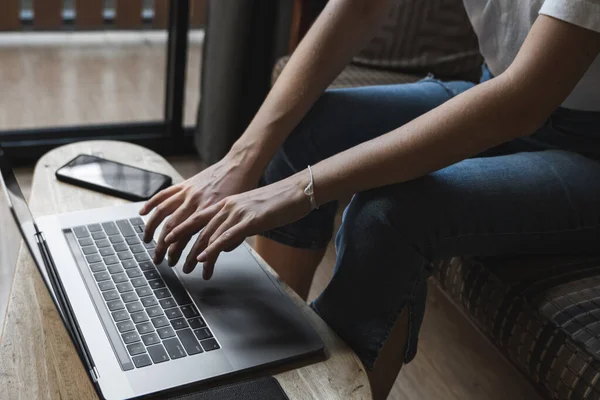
<point x="113" y="178"/>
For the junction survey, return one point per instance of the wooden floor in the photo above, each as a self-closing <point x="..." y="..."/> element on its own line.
<point x="102" y="83"/>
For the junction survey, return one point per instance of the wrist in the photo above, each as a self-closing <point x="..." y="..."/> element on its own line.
<point x="248" y="156"/>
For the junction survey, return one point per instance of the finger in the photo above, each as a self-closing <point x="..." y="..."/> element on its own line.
<point x="159" y="198"/>
<point x="208" y="268"/>
<point x="193" y="224"/>
<point x="178" y="216"/>
<point x="162" y="211"/>
<point x="175" y="251"/>
<point x="199" y="246"/>
<point x="221" y="242"/>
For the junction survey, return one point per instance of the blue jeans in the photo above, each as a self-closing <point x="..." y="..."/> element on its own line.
<point x="533" y="195"/>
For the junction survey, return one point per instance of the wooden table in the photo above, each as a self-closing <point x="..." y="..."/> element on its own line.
<point x="37" y="359"/>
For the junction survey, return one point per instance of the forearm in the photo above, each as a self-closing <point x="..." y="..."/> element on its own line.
<point x="341" y="30"/>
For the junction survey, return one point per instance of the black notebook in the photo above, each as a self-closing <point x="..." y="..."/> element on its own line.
<point x="266" y="388"/>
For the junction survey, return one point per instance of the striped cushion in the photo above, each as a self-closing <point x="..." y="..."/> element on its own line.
<point x="354" y="75"/>
<point x="543" y="313"/>
<point x="426" y="36"/>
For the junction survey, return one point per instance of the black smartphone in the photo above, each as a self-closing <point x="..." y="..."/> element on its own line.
<point x="110" y="177"/>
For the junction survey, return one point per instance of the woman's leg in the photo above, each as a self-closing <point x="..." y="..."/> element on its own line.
<point x="526" y="203"/>
<point x="339" y="120"/>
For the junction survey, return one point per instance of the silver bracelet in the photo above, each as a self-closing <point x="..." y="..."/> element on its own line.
<point x="310" y="191"/>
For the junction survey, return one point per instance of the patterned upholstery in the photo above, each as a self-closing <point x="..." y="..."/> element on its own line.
<point x="543" y="313"/>
<point x="426" y="36"/>
<point x="355" y="75"/>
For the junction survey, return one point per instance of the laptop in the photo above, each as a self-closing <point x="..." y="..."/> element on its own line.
<point x="141" y="328"/>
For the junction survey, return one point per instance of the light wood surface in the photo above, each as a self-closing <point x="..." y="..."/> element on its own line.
<point x="37" y="360"/>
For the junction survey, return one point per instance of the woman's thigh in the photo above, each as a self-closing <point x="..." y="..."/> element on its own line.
<point x="544" y="202"/>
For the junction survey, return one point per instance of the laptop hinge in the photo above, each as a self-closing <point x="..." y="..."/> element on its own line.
<point x="68" y="316"/>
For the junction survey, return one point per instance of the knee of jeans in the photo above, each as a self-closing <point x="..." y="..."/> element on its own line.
<point x="382" y="217"/>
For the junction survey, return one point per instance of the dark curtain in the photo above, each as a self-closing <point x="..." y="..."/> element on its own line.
<point x="242" y="42"/>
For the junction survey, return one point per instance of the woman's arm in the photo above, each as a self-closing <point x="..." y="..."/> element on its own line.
<point x="552" y="60"/>
<point x="341" y="30"/>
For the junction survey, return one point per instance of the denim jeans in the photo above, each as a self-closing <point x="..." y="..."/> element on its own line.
<point x="533" y="195"/>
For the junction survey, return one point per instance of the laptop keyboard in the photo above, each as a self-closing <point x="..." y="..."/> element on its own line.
<point x="153" y="313"/>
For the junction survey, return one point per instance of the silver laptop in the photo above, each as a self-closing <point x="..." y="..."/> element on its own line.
<point x="142" y="328"/>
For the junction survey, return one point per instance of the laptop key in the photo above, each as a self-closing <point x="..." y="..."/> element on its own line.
<point x="179" y="293"/>
<point x="115" y="305"/>
<point x="136" y="221"/>
<point x="210" y="344"/>
<point x="116" y="239"/>
<point x="196" y="323"/>
<point x="139" y="229"/>
<point x="110" y="228"/>
<point x="149" y="301"/>
<point x="115" y="269"/>
<point x="81" y="232"/>
<point x="142" y="257"/>
<point x="102" y="243"/>
<point x="160" y="322"/>
<point x="141" y="361"/>
<point x="87" y="250"/>
<point x="150" y="339"/>
<point x="165" y="332"/>
<point x="136" y="348"/>
<point x="129" y="264"/>
<point x="125" y="326"/>
<point x="134" y="272"/>
<point x="120" y="315"/>
<point x="158" y="353"/>
<point x="98" y="235"/>
<point x="174" y="348"/>
<point x="189" y="342"/>
<point x="106" y="285"/>
<point x="173" y="313"/>
<point x="138" y="248"/>
<point x="189" y="311"/>
<point x="94" y="227"/>
<point x="167" y="303"/>
<point x="203" y="333"/>
<point x="107" y="251"/>
<point x="132" y="241"/>
<point x="86" y="241"/>
<point x="124" y="287"/>
<point x="111" y="260"/>
<point x="179" y="323"/>
<point x="139" y="317"/>
<point x="147" y="266"/>
<point x="93" y="258"/>
<point x="156" y="283"/>
<point x="152" y="274"/>
<point x="143" y="291"/>
<point x="120" y="246"/>
<point x="144" y="327"/>
<point x="150" y="245"/>
<point x="134" y="306"/>
<point x="110" y="295"/>
<point x="162" y="293"/>
<point x="129" y="297"/>
<point x="98" y="267"/>
<point x="124" y="255"/>
<point x="154" y="311"/>
<point x="120" y="278"/>
<point x="101" y="276"/>
<point x="130" y="337"/>
<point x="139" y="282"/>
<point x="125" y="228"/>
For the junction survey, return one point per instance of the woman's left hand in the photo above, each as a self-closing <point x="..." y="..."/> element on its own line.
<point x="227" y="223"/>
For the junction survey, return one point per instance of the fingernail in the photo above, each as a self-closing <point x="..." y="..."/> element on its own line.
<point x="168" y="238"/>
<point x="202" y="257"/>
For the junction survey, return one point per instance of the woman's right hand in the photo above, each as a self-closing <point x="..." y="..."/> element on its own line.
<point x="230" y="176"/>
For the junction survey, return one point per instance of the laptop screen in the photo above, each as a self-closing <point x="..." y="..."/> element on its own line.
<point x="22" y="214"/>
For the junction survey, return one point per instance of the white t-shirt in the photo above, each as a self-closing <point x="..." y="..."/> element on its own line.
<point x="502" y="25"/>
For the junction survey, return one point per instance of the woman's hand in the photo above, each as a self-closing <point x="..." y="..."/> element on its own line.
<point x="227" y="223"/>
<point x="229" y="176"/>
